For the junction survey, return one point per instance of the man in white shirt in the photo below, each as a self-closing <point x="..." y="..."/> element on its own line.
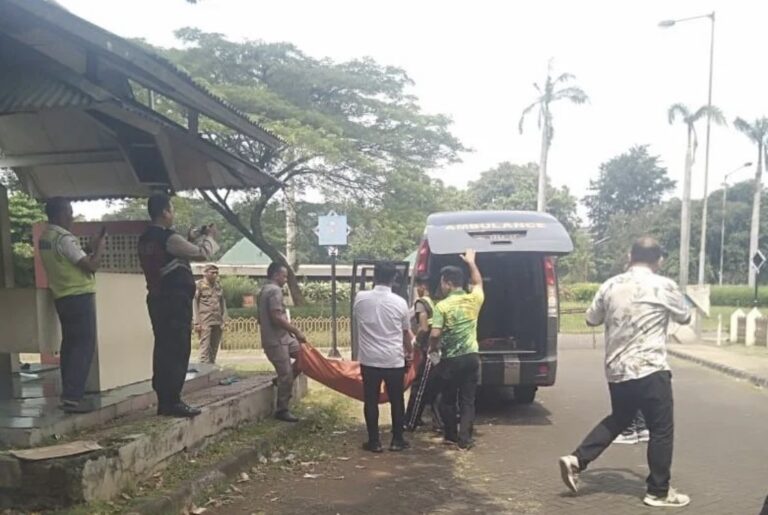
<point x="636" y="308"/>
<point x="384" y="348"/>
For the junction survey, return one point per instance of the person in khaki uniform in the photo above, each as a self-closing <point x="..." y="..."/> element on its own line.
<point x="279" y="338"/>
<point x="210" y="310"/>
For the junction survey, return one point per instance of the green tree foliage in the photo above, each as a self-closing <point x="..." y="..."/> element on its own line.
<point x="25" y="212"/>
<point x="510" y="186"/>
<point x="627" y="184"/>
<point x="348" y="125"/>
<point x="190" y="212"/>
<point x="579" y="265"/>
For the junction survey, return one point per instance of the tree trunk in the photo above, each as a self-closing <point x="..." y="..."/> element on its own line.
<point x="541" y="204"/>
<point x="290" y="226"/>
<point x="685" y="215"/>
<point x="754" y="233"/>
<point x="256" y="236"/>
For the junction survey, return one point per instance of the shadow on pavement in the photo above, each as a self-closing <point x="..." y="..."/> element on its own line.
<point x="498" y="407"/>
<point x="622" y="481"/>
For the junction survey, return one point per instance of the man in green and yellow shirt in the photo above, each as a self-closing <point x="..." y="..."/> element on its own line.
<point x="70" y="271"/>
<point x="454" y="332"/>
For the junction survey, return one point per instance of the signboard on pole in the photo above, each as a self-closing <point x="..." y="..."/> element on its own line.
<point x="332" y="230"/>
<point x="758" y="260"/>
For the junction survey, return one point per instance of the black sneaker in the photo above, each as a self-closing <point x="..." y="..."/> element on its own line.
<point x="178" y="410"/>
<point x="373" y="447"/>
<point x="399" y="445"/>
<point x="286" y="416"/>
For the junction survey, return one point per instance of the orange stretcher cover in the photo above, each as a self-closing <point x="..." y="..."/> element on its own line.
<point x="342" y="375"/>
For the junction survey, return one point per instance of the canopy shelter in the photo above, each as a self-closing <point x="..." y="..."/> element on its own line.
<point x="85" y="114"/>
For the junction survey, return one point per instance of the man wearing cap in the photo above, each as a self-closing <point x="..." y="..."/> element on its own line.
<point x="210" y="312"/>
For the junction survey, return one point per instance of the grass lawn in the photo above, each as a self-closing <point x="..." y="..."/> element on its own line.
<point x="573" y="323"/>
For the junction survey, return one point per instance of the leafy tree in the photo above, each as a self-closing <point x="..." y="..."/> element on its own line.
<point x="628" y="183"/>
<point x="690" y="118"/>
<point x="579" y="265"/>
<point x="510" y="186"/>
<point x="190" y="212"/>
<point x="25" y="212"/>
<point x="757" y="132"/>
<point x="549" y="93"/>
<point x="348" y="125"/>
<point x="390" y="227"/>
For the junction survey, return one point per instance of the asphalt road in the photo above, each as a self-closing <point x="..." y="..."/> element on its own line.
<point x="720" y="460"/>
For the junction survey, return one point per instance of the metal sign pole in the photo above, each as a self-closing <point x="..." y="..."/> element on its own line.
<point x="332" y="231"/>
<point x="758" y="260"/>
<point x="333" y="252"/>
<point x="757" y="284"/>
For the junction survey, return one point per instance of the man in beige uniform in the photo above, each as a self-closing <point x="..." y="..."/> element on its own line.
<point x="210" y="310"/>
<point x="279" y="338"/>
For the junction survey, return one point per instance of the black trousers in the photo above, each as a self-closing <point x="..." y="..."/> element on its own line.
<point x="430" y="386"/>
<point x="459" y="377"/>
<point x="652" y="395"/>
<point x="393" y="384"/>
<point x="171" y="317"/>
<point x="77" y="314"/>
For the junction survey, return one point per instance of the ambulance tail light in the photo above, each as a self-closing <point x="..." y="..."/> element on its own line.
<point x="422" y="259"/>
<point x="551" y="281"/>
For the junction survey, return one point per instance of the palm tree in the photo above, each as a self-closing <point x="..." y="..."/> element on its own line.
<point x="689" y="118"/>
<point x="758" y="133"/>
<point x="548" y="94"/>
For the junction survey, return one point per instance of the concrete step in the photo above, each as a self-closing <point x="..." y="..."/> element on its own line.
<point x="34" y="419"/>
<point x="133" y="449"/>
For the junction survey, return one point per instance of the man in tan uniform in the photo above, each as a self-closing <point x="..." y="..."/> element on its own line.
<point x="210" y="310"/>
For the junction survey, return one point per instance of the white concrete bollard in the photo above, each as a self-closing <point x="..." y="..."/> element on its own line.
<point x="737" y="317"/>
<point x="752" y="319"/>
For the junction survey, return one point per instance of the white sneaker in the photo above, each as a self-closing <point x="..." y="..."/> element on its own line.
<point x="672" y="500"/>
<point x="627" y="438"/>
<point x="643" y="436"/>
<point x="569" y="471"/>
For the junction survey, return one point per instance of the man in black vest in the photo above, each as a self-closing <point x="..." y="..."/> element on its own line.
<point x="165" y="257"/>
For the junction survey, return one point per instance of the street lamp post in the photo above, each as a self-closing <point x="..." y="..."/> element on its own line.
<point x="703" y="246"/>
<point x="722" y="225"/>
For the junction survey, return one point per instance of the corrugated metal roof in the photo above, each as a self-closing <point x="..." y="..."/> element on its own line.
<point x="25" y="91"/>
<point x="66" y="21"/>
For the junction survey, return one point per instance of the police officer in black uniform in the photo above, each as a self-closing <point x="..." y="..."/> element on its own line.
<point x="165" y="257"/>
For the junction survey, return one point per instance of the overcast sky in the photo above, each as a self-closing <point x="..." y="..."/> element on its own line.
<point x="476" y="62"/>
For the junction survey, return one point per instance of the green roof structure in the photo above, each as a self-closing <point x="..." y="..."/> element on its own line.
<point x="244" y="252"/>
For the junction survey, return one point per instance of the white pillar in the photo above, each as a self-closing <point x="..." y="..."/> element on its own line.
<point x="737" y="318"/>
<point x="752" y="319"/>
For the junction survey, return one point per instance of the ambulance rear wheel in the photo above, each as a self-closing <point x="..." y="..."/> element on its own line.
<point x="525" y="394"/>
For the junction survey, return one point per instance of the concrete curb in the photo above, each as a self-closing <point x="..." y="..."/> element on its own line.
<point x="755" y="379"/>
<point x="183" y="495"/>
<point x="218" y="474"/>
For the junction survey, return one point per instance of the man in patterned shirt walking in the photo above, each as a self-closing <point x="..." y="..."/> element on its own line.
<point x="636" y="308"/>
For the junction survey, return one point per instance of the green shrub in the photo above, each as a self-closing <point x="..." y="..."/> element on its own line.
<point x="737" y="296"/>
<point x="578" y="292"/>
<point x="320" y="291"/>
<point x="235" y="287"/>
